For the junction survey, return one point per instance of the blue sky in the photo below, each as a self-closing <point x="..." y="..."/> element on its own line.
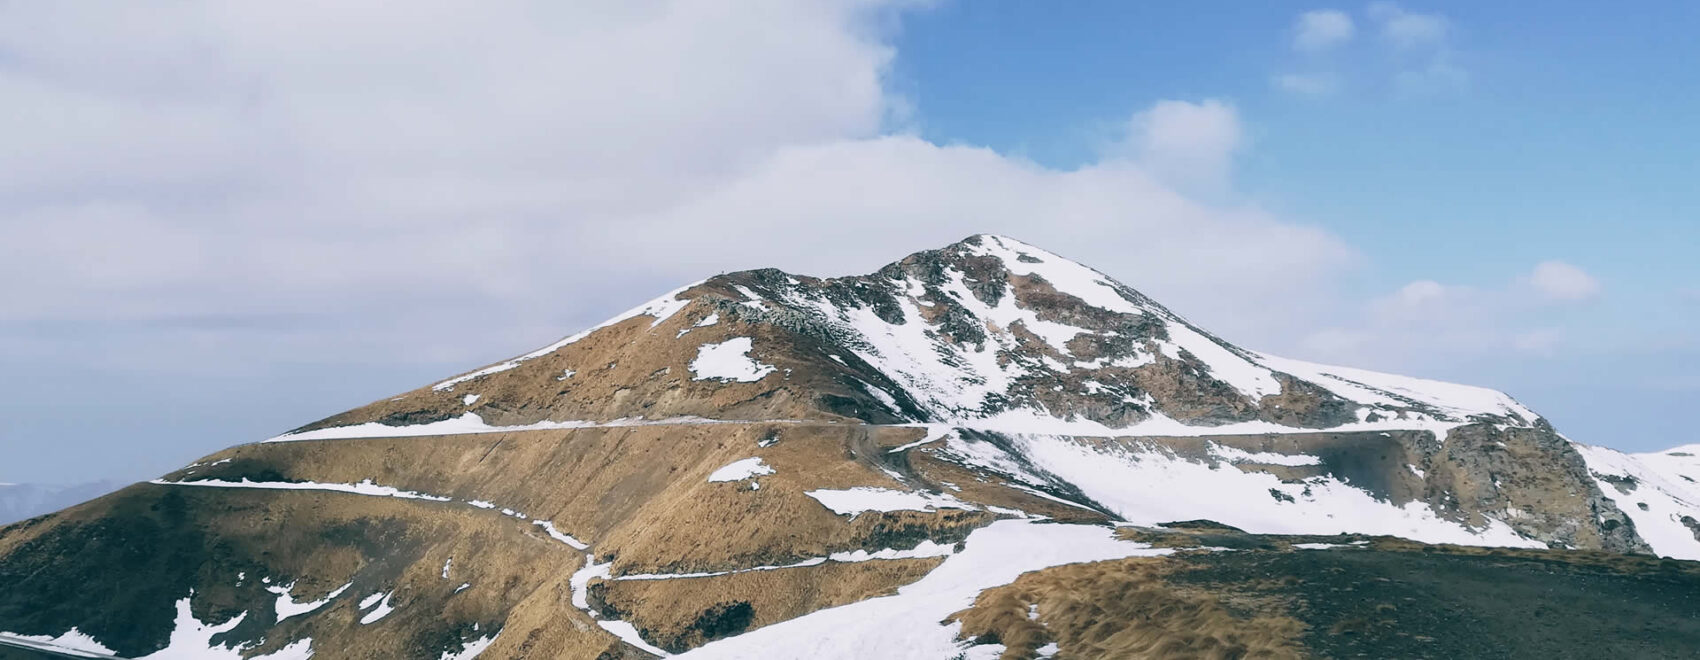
<point x="224" y="221"/>
<point x="1568" y="135"/>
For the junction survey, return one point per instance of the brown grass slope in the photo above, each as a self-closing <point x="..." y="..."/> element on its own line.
<point x="115" y="567"/>
<point x="639" y="495"/>
<point x="1229" y="594"/>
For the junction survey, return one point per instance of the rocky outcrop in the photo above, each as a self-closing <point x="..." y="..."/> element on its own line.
<point x="1534" y="481"/>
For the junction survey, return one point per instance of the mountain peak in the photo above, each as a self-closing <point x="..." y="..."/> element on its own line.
<point x="987" y="332"/>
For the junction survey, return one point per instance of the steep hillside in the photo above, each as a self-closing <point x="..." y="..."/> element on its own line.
<point x="804" y="464"/>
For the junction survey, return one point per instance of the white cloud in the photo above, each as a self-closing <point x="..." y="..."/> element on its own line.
<point x="853" y="205"/>
<point x="1322" y="29"/>
<point x="1562" y="282"/>
<point x="227" y="189"/>
<point x="1186" y="144"/>
<point x="1423" y="62"/>
<point x="1419" y="297"/>
<point x="1425" y="322"/>
<point x="314" y="154"/>
<point x="1307" y="84"/>
<point x="1428" y="64"/>
<point x="458" y="181"/>
<point x="1408" y="30"/>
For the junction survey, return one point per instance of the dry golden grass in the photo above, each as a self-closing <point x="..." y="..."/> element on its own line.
<point x="1126" y="609"/>
<point x="640" y="368"/>
<point x="640" y="496"/>
<point x="319" y="542"/>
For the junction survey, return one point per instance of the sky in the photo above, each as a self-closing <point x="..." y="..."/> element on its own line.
<point x="222" y="220"/>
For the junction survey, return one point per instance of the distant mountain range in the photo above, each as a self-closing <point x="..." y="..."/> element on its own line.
<point x="20" y="501"/>
<point x="979" y="451"/>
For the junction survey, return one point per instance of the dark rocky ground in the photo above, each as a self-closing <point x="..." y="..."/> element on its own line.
<point x="1391" y="598"/>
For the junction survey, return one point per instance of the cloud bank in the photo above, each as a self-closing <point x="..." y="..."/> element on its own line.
<point x="382" y="168"/>
<point x="204" y="192"/>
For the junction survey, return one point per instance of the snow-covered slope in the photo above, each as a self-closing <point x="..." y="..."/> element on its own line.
<point x="1660" y="491"/>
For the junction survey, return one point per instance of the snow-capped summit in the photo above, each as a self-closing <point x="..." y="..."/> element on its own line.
<point x="988" y="333"/>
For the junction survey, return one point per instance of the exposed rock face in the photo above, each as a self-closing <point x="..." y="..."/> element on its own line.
<point x="1534" y="480"/>
<point x="886" y="430"/>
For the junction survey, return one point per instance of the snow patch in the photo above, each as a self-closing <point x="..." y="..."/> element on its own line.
<point x="1023" y="421"/>
<point x="1376" y="389"/>
<point x="287" y="607"/>
<point x="926" y="548"/>
<point x="73" y="643"/>
<point x="906" y="625"/>
<point x="728" y="361"/>
<point x="984" y="652"/>
<point x="365" y="487"/>
<point x="755" y="301"/>
<point x="192" y="638"/>
<point x="382" y="610"/>
<point x="748" y="468"/>
<point x="628" y="633"/>
<point x="580" y="580"/>
<point x="885" y="398"/>
<point x="852" y="501"/>
<point x="558" y="535"/>
<point x="1148" y="485"/>
<point x="1234" y="455"/>
<point x="471" y="649"/>
<point x="470" y="423"/>
<point x="706" y="321"/>
<point x="934" y="433"/>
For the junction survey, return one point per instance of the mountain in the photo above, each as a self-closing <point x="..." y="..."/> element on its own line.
<point x="934" y="461"/>
<point x="20" y="501"/>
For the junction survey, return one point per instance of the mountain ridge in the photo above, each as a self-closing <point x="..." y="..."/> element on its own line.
<point x="752" y="450"/>
<point x="938" y="282"/>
